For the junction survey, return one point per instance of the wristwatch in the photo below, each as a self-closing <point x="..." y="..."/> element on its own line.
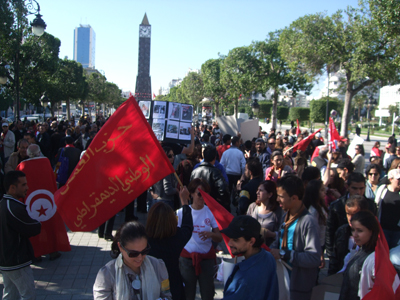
<point x="282" y="253"/>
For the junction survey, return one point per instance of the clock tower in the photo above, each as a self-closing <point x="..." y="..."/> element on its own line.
<point x="143" y="81"/>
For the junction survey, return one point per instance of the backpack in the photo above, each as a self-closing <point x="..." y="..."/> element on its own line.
<point x="61" y="169"/>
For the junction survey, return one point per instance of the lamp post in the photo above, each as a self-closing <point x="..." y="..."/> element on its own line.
<point x="255" y="107"/>
<point x="45" y="101"/>
<point x="38" y="27"/>
<point x="370" y="104"/>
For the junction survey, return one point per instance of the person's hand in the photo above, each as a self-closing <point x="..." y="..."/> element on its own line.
<point x="154" y="195"/>
<point x="184" y="195"/>
<point x="191" y="130"/>
<point x="335" y="193"/>
<point x="322" y="265"/>
<point x="246" y="153"/>
<point x="204" y="235"/>
<point x="275" y="253"/>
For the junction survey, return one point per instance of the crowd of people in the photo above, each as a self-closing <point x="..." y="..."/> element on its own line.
<point x="301" y="206"/>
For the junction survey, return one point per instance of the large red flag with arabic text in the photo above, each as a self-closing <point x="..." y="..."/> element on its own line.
<point x="41" y="206"/>
<point x="386" y="284"/>
<point x="222" y="216"/>
<point x="123" y="160"/>
<point x="302" y="145"/>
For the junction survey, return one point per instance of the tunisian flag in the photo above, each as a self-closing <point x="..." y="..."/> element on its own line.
<point x="222" y="216"/>
<point x="333" y="134"/>
<point x="41" y="206"/>
<point x="302" y="145"/>
<point x="386" y="285"/>
<point x="298" y="128"/>
<point x="123" y="160"/>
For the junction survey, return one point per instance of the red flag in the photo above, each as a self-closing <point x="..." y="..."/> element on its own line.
<point x="316" y="152"/>
<point x="298" y="128"/>
<point x="333" y="134"/>
<point x="123" y="160"/>
<point x="130" y="94"/>
<point x="222" y="216"/>
<point x="154" y="96"/>
<point x="385" y="273"/>
<point x="302" y="145"/>
<point x="41" y="206"/>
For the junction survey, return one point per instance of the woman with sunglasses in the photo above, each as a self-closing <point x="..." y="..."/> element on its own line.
<point x="197" y="259"/>
<point x="372" y="172"/>
<point x="132" y="274"/>
<point x="165" y="190"/>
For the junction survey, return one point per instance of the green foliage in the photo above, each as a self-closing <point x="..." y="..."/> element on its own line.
<point x="211" y="76"/>
<point x="387" y="15"/>
<point x="350" y="40"/>
<point x="265" y="109"/>
<point x="282" y="113"/>
<point x="300" y="113"/>
<point x="318" y="108"/>
<point x="191" y="89"/>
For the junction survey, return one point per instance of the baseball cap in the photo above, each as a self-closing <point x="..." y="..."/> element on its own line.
<point x="4" y="124"/>
<point x="395" y="173"/>
<point x="242" y="226"/>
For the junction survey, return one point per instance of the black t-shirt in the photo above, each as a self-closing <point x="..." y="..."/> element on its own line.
<point x="390" y="215"/>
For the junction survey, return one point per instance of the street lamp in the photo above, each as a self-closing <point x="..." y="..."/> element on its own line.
<point x="370" y="104"/>
<point x="38" y="27"/>
<point x="255" y="107"/>
<point x="45" y="101"/>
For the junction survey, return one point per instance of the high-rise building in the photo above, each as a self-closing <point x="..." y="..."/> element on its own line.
<point x="85" y="45"/>
<point x="143" y="80"/>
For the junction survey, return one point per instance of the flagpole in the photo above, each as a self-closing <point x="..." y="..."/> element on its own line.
<point x="177" y="178"/>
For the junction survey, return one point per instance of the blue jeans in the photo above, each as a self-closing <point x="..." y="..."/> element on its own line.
<point x="19" y="284"/>
<point x="392" y="238"/>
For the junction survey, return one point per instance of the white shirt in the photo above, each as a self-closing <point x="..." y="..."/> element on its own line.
<point x="203" y="220"/>
<point x="233" y="161"/>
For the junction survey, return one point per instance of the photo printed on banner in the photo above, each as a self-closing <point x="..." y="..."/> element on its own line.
<point x="158" y="128"/>
<point x="187" y="113"/>
<point x="174" y="111"/>
<point x="159" y="110"/>
<point x="172" y="129"/>
<point x="184" y="131"/>
<point x="145" y="108"/>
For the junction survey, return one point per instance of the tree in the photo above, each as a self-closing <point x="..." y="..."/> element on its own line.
<point x="265" y="109"/>
<point x="211" y="75"/>
<point x="359" y="101"/>
<point x="273" y="72"/>
<point x="237" y="76"/>
<point x="318" y="108"/>
<point x="192" y="89"/>
<point x="387" y="15"/>
<point x="282" y="113"/>
<point x="317" y="41"/>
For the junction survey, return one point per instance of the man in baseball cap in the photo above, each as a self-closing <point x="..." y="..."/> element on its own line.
<point x="244" y="282"/>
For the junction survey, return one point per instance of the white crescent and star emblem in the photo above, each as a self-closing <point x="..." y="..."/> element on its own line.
<point x="40" y="205"/>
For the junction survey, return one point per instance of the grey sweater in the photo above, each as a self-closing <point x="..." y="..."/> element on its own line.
<point x="305" y="257"/>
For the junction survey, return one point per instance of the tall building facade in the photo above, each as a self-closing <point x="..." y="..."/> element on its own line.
<point x="85" y="45"/>
<point x="143" y="80"/>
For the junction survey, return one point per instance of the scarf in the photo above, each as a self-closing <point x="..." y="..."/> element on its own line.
<point x="150" y="289"/>
<point x="289" y="222"/>
<point x="270" y="175"/>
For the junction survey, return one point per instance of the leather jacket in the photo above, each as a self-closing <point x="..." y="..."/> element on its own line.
<point x="337" y="218"/>
<point x="340" y="249"/>
<point x="219" y="187"/>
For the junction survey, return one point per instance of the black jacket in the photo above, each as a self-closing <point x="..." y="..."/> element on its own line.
<point x="16" y="227"/>
<point x="340" y="249"/>
<point x="219" y="187"/>
<point x="337" y="218"/>
<point x="351" y="276"/>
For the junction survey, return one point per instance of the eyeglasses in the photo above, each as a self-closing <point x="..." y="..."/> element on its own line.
<point x="133" y="253"/>
<point x="170" y="155"/>
<point x="373" y="174"/>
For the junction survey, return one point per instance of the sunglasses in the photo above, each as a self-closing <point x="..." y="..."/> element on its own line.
<point x="271" y="143"/>
<point x="373" y="174"/>
<point x="170" y="155"/>
<point x="133" y="253"/>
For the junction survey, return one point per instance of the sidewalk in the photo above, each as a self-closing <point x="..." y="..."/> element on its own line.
<point x="72" y="276"/>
